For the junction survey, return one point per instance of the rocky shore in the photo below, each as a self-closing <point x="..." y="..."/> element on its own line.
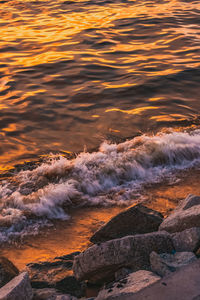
<point x="136" y="255"/>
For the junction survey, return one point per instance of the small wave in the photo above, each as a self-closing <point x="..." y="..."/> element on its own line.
<point x="113" y="175"/>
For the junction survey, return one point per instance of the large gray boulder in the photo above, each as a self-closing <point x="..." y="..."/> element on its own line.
<point x="135" y="220"/>
<point x="99" y="262"/>
<point x="186" y="215"/>
<point x="19" y="288"/>
<point x="181" y="285"/>
<point x="187" y="240"/>
<point x="128" y="286"/>
<point x="7" y="271"/>
<point x="163" y="264"/>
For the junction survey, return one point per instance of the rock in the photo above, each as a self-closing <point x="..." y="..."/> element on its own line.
<point x="44" y="294"/>
<point x="187" y="240"/>
<point x="68" y="257"/>
<point x="46" y="274"/>
<point x="100" y="262"/>
<point x="65" y="297"/>
<point x="7" y="271"/>
<point x="181" y="285"/>
<point x="56" y="274"/>
<point x="189" y="201"/>
<point x="121" y="273"/>
<point x="129" y="286"/>
<point x="19" y="288"/>
<point x="186" y="215"/>
<point x="163" y="264"/>
<point x="158" y="265"/>
<point x="71" y="285"/>
<point x="135" y="220"/>
<point x="50" y="294"/>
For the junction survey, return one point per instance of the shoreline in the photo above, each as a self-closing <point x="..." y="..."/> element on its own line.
<point x="124" y="261"/>
<point x="76" y="232"/>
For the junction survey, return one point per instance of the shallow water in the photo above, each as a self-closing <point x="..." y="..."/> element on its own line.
<point x="74" y="235"/>
<point x="74" y="74"/>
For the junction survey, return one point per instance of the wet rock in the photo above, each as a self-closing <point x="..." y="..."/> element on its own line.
<point x="46" y="274"/>
<point x="68" y="257"/>
<point x="18" y="288"/>
<point x="133" y="283"/>
<point x="187" y="240"/>
<point x="186" y="215"/>
<point x="135" y="220"/>
<point x="56" y="274"/>
<point x="99" y="262"/>
<point x="7" y="271"/>
<point x="165" y="263"/>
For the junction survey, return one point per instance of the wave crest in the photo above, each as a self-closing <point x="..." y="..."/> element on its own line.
<point x="112" y="175"/>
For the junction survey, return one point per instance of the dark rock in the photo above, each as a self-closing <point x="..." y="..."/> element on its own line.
<point x="163" y="264"/>
<point x="186" y="215"/>
<point x="135" y="220"/>
<point x="18" y="288"/>
<point x="7" y="271"/>
<point x="56" y="274"/>
<point x="68" y="257"/>
<point x="187" y="240"/>
<point x="99" y="262"/>
<point x="70" y="285"/>
<point x="135" y="282"/>
<point x="51" y="265"/>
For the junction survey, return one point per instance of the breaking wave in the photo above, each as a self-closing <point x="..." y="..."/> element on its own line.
<point x="114" y="175"/>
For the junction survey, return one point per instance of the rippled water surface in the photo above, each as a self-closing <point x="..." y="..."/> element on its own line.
<point x="77" y="75"/>
<point x="74" y="73"/>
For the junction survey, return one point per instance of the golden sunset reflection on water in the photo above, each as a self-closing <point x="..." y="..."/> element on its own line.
<point x="74" y="75"/>
<point x="55" y="52"/>
<point x="34" y="34"/>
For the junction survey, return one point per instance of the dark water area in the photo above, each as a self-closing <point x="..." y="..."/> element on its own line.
<point x="98" y="101"/>
<point x="74" y="73"/>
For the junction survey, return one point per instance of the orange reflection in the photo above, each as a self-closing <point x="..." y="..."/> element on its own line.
<point x="168" y="118"/>
<point x="135" y="111"/>
<point x="49" y="244"/>
<point x="155" y="99"/>
<point x="34" y="34"/>
<point x="44" y="35"/>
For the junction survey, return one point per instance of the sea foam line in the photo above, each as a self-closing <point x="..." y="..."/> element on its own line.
<point x="109" y="176"/>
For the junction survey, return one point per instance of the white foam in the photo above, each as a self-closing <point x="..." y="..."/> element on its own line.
<point x="109" y="176"/>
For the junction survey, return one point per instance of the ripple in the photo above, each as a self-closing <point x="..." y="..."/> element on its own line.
<point x="73" y="71"/>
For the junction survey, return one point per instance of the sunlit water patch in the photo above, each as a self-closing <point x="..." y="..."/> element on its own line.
<point x="74" y="73"/>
